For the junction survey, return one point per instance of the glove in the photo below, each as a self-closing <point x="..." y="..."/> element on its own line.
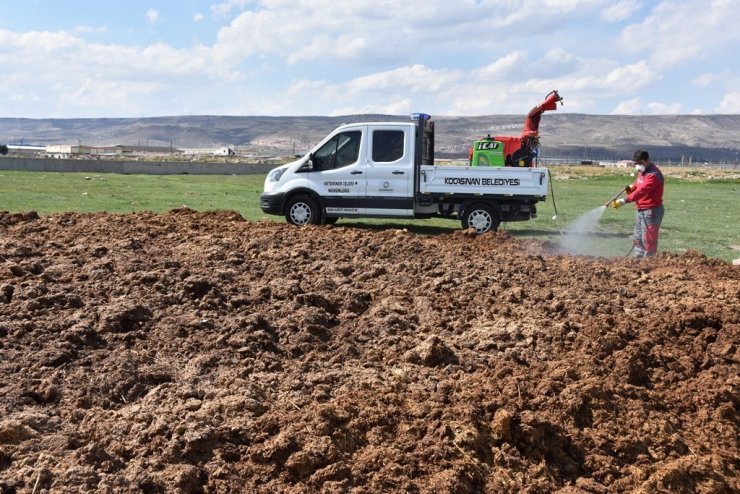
<point x="618" y="203"/>
<point x="629" y="188"/>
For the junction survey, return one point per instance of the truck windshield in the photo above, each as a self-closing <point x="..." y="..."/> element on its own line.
<point x="342" y="150"/>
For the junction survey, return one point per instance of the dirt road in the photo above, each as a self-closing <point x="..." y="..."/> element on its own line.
<point x="196" y="352"/>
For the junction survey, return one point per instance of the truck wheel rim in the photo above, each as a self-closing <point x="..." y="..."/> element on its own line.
<point x="480" y="220"/>
<point x="300" y="213"/>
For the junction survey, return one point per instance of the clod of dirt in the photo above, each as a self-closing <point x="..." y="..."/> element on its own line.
<point x="432" y="353"/>
<point x="14" y="432"/>
<point x="501" y="425"/>
<point x="123" y="318"/>
<point x="6" y="293"/>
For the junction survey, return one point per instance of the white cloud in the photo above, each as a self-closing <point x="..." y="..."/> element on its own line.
<point x="508" y="84"/>
<point x="679" y="32"/>
<point x="101" y="79"/>
<point x="342" y="46"/>
<point x="730" y="103"/>
<point x="152" y="16"/>
<point x="94" y="94"/>
<point x="223" y="9"/>
<point x="704" y="80"/>
<point x="416" y="78"/>
<point x="399" y="107"/>
<point x="628" y="107"/>
<point x="35" y="45"/>
<point x="620" y="11"/>
<point x="383" y="92"/>
<point x="90" y="29"/>
<point x="293" y="35"/>
<point x="304" y="88"/>
<point x="630" y="78"/>
<point x="658" y="108"/>
<point x="488" y="90"/>
<point x="375" y="32"/>
<point x="503" y="68"/>
<point x="558" y="56"/>
<point x="197" y="17"/>
<point x="635" y="106"/>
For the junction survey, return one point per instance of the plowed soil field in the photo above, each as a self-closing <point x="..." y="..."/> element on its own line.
<point x="196" y="352"/>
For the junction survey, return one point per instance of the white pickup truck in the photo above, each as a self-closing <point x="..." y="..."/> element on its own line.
<point x="387" y="170"/>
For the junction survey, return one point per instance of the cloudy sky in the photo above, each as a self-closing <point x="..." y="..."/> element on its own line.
<point x="134" y="58"/>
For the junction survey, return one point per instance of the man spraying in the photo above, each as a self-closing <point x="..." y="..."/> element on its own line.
<point x="647" y="194"/>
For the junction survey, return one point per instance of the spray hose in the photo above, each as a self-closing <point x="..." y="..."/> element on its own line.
<point x="552" y="194"/>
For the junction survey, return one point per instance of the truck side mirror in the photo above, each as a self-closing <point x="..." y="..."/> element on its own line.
<point x="310" y="162"/>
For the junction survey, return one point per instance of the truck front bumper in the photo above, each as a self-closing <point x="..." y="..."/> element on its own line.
<point x="272" y="203"/>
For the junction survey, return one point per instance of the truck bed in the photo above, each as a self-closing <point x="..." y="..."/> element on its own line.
<point x="487" y="181"/>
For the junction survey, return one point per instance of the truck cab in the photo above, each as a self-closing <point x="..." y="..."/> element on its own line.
<point x="362" y="169"/>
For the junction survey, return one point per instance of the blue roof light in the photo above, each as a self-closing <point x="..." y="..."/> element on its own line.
<point x="420" y="116"/>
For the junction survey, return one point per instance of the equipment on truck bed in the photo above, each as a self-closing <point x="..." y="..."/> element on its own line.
<point x="515" y="151"/>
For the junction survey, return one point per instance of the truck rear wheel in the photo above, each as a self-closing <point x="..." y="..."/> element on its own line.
<point x="481" y="217"/>
<point x="302" y="211"/>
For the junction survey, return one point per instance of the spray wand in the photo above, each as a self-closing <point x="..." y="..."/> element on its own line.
<point x="615" y="197"/>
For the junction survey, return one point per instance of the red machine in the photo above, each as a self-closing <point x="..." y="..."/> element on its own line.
<point x="515" y="151"/>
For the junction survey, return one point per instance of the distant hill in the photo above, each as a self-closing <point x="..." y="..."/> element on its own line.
<point x="563" y="135"/>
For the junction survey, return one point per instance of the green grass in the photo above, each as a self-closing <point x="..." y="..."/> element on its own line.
<point x="701" y="215"/>
<point x="46" y="192"/>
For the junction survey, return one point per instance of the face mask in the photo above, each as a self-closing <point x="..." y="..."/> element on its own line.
<point x="640" y="168"/>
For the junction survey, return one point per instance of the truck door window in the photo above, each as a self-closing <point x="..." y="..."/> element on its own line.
<point x="342" y="150"/>
<point x="387" y="145"/>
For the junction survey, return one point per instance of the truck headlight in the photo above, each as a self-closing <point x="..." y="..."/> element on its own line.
<point x="274" y="176"/>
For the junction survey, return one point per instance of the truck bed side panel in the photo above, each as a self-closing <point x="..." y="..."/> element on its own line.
<point x="495" y="181"/>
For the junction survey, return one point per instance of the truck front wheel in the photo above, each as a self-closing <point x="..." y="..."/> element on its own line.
<point x="481" y="217"/>
<point x="302" y="211"/>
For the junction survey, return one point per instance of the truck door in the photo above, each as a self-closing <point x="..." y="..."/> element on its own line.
<point x="338" y="174"/>
<point x="389" y="171"/>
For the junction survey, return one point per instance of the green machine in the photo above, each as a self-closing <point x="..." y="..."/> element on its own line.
<point x="487" y="152"/>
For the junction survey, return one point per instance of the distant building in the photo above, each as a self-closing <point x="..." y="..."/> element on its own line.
<point x="148" y="150"/>
<point x="73" y="150"/>
<point x="220" y="151"/>
<point x="616" y="164"/>
<point x="23" y="150"/>
<point x="66" y="150"/>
